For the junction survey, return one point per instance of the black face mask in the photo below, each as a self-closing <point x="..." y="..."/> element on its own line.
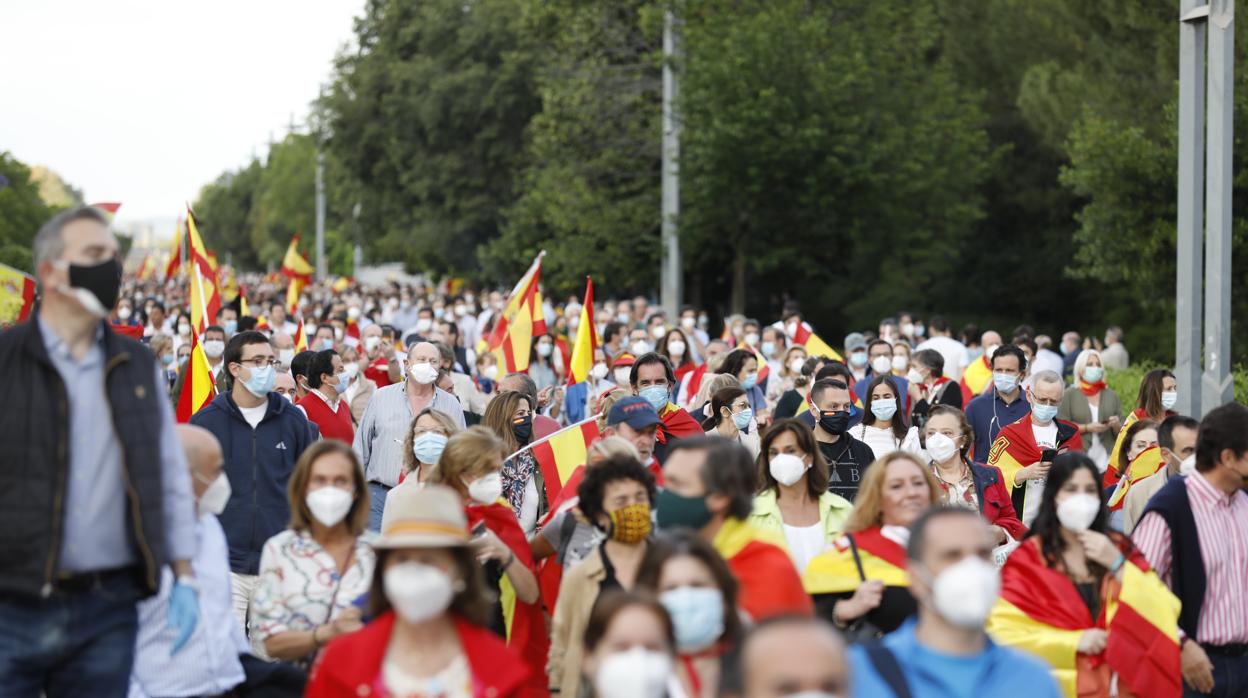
<point x="523" y="429"/>
<point x="103" y="280"/>
<point x="835" y="423"/>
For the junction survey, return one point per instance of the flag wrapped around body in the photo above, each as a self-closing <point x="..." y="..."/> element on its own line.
<point x="521" y="321"/>
<point x="17" y="295"/>
<point x="582" y="361"/>
<point x="802" y="333"/>
<point x="1042" y="612"/>
<point x="975" y="379"/>
<point x="198" y="389"/>
<point x="1111" y="475"/>
<point x="836" y="572"/>
<point x="561" y="453"/>
<point x="1016" y="448"/>
<point x="1149" y="462"/>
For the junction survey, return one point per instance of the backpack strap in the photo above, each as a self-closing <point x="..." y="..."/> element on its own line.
<point x="853" y="547"/>
<point x="885" y="664"/>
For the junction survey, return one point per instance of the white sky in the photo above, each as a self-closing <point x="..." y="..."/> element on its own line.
<point x="145" y="101"/>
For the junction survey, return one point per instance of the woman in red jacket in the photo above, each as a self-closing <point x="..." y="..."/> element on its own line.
<point x="429" y="603"/>
<point x="948" y="440"/>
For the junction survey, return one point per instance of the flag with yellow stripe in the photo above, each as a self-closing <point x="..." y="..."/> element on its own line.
<point x="1147" y="463"/>
<point x="804" y="335"/>
<point x="975" y="378"/>
<point x="587" y="341"/>
<point x="1112" y="473"/>
<point x="561" y="453"/>
<point x="198" y="389"/>
<point x="521" y="320"/>
<point x="835" y="571"/>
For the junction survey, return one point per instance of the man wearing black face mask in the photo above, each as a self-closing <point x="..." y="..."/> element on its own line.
<point x="95" y="481"/>
<point x="847" y="457"/>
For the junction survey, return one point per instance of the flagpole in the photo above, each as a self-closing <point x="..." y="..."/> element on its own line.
<point x="544" y="439"/>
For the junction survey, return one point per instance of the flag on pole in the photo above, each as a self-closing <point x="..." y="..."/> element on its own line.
<point x="561" y="453"/>
<point x="301" y="339"/>
<point x="205" y="297"/>
<point x="521" y="321"/>
<point x="147" y="268"/>
<point x="296" y="268"/>
<point x="17" y="295"/>
<point x="108" y="207"/>
<point x="802" y="333"/>
<point x="198" y="389"/>
<point x="175" y="260"/>
<point x="587" y="341"/>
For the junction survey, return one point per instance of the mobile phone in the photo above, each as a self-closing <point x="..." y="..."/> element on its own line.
<point x="1047" y="455"/>
<point x="478" y="530"/>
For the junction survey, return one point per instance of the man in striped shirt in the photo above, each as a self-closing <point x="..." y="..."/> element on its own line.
<point x="1194" y="532"/>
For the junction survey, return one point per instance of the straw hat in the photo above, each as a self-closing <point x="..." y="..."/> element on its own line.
<point x="423" y="517"/>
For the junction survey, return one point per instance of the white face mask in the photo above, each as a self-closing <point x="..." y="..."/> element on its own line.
<point x="795" y="366"/>
<point x="786" y="468"/>
<point x="622" y="375"/>
<point x="423" y="325"/>
<point x="544" y="349"/>
<point x="418" y="592"/>
<point x="1188" y="466"/>
<point x="214" y="348"/>
<point x="751" y="339"/>
<point x="486" y="489"/>
<point x="599" y="371"/>
<point x="214" y="499"/>
<point x="882" y="364"/>
<point x="900" y="363"/>
<point x="491" y="372"/>
<point x="940" y="447"/>
<point x="423" y="373"/>
<point x="990" y="350"/>
<point x="640" y="347"/>
<point x="1169" y="399"/>
<point x="184" y="329"/>
<point x="371" y="342"/>
<point x="688" y="322"/>
<point x="965" y="592"/>
<point x="351" y="369"/>
<point x="676" y="348"/>
<point x="914" y="376"/>
<point x="329" y="505"/>
<point x="658" y="331"/>
<point x="285" y="356"/>
<point x="1077" y="511"/>
<point x="634" y="673"/>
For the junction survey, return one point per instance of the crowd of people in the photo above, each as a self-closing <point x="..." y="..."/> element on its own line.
<point x="930" y="515"/>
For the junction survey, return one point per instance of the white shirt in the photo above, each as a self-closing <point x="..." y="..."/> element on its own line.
<point x="805" y="542"/>
<point x="253" y="415"/>
<point x="208" y="664"/>
<point x="528" y="507"/>
<point x="1095" y="449"/>
<point x="882" y="441"/>
<point x="956" y="356"/>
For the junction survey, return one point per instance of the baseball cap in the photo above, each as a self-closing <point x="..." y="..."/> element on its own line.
<point x="855" y="340"/>
<point x="634" y="411"/>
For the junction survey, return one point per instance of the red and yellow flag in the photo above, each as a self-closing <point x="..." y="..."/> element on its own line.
<point x="561" y="453"/>
<point x="17" y="295"/>
<point x="175" y="259"/>
<point x="835" y="572"/>
<point x="586" y="339"/>
<point x="108" y="207"/>
<point x="1112" y="475"/>
<point x="301" y="338"/>
<point x="198" y="390"/>
<point x="770" y="585"/>
<point x="1040" y="611"/>
<point x="975" y="378"/>
<point x="804" y="335"/>
<point x="147" y="269"/>
<point x="1147" y="463"/>
<point x="299" y="270"/>
<point x="521" y="321"/>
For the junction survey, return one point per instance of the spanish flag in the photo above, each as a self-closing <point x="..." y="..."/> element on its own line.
<point x="301" y="338"/>
<point x="835" y="572"/>
<point x="146" y="268"/>
<point x="205" y="300"/>
<point x="524" y="624"/>
<point x="198" y="389"/>
<point x="296" y="268"/>
<point x="175" y="259"/>
<point x="111" y="208"/>
<point x="1016" y="448"/>
<point x="1040" y="611"/>
<point x="975" y="379"/>
<point x="17" y="295"/>
<point x="520" y="322"/>
<point x="1111" y="476"/>
<point x="1147" y="463"/>
<point x="561" y="453"/>
<point x="759" y="559"/>
<point x="805" y="335"/>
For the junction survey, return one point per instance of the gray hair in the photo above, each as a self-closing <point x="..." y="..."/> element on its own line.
<point x="1047" y="377"/>
<point x="529" y="386"/>
<point x="50" y="240"/>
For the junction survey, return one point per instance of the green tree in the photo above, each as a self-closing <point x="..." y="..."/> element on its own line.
<point x="223" y="210"/>
<point x="22" y="211"/>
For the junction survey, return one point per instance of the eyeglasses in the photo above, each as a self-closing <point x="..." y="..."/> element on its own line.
<point x="258" y="362"/>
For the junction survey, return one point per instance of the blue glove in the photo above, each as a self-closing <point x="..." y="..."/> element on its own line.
<point x="183" y="613"/>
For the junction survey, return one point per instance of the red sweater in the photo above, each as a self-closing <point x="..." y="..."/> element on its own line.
<point x="351" y="664"/>
<point x="333" y="425"/>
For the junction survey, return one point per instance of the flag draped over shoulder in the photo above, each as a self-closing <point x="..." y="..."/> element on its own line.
<point x="299" y="270"/>
<point x="17" y="295"/>
<point x="836" y="572"/>
<point x="1147" y="463"/>
<point x="975" y="379"/>
<point x="521" y="321"/>
<point x="199" y="389"/>
<point x="1112" y="475"/>
<point x="561" y="453"/>
<point x="1016" y="448"/>
<point x="1040" y="611"/>
<point x="582" y="361"/>
<point x="804" y="335"/>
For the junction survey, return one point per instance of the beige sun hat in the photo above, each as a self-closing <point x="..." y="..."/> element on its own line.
<point x="423" y="517"/>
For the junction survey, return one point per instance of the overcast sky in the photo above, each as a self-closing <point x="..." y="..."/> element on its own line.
<point x="143" y="102"/>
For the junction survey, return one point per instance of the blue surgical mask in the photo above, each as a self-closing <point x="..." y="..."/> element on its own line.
<point x="858" y="358"/>
<point x="743" y="418"/>
<point x="1169" y="399"/>
<point x="1093" y="374"/>
<point x="884" y="409"/>
<point x="697" y="615"/>
<point x="343" y="383"/>
<point x="261" y="382"/>
<point x="751" y="379"/>
<point x="769" y="348"/>
<point x="1044" y="413"/>
<point x="327" y="344"/>
<point x="656" y="395"/>
<point x="428" y="447"/>
<point x="167" y="359"/>
<point x="230" y="327"/>
<point x="1004" y="382"/>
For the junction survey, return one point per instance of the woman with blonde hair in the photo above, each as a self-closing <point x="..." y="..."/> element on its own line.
<point x="426" y="439"/>
<point x="1093" y="406"/>
<point x="860" y="583"/>
<point x="312" y="573"/>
